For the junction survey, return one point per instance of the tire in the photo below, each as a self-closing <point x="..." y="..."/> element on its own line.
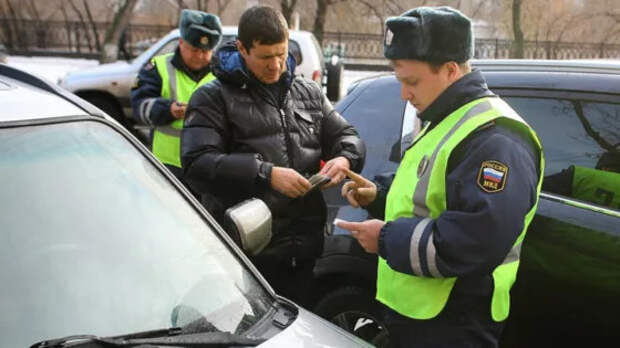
<point x="108" y="106"/>
<point x="112" y="108"/>
<point x="355" y="310"/>
<point x="335" y="69"/>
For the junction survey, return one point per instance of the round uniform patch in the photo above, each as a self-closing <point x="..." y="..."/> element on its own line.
<point x="492" y="176"/>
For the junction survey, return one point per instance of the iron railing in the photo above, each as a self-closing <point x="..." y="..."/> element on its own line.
<point x="73" y="38"/>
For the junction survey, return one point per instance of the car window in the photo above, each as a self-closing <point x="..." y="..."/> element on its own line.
<point x="318" y="49"/>
<point x="366" y="113"/>
<point x="96" y="240"/>
<point x="169" y="47"/>
<point x="569" y="275"/>
<point x="581" y="142"/>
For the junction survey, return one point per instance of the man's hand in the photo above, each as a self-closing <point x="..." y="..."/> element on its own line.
<point x="288" y="182"/>
<point x="177" y="110"/>
<point x="366" y="233"/>
<point x="335" y="169"/>
<point x="359" y="191"/>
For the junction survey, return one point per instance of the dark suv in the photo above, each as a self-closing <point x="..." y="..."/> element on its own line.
<point x="568" y="285"/>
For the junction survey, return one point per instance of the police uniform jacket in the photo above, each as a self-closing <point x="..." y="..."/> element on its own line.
<point x="148" y="106"/>
<point x="478" y="228"/>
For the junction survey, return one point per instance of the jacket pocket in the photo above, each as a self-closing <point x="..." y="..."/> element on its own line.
<point x="308" y="128"/>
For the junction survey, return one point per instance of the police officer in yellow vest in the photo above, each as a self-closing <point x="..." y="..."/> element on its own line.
<point x="450" y="224"/>
<point x="165" y="85"/>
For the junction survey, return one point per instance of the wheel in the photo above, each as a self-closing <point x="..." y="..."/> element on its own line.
<point x="355" y="310"/>
<point x="108" y="106"/>
<point x="335" y="68"/>
<point x="114" y="110"/>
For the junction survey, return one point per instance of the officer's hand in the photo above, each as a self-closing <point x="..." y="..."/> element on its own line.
<point x="177" y="110"/>
<point x="359" y="191"/>
<point x="366" y="233"/>
<point x="288" y="182"/>
<point x="336" y="169"/>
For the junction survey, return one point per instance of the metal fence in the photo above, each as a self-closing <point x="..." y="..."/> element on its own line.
<point x="367" y="49"/>
<point x="73" y="38"/>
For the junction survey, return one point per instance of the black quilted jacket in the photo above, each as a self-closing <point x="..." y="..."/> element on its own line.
<point x="236" y="130"/>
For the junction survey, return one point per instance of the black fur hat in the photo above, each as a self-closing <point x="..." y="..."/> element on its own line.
<point x="430" y="34"/>
<point x="200" y="29"/>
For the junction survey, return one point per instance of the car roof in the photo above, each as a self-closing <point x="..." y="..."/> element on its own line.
<point x="27" y="97"/>
<point x="597" y="76"/>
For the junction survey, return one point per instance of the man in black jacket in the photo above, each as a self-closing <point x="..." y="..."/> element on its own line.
<point x="259" y="131"/>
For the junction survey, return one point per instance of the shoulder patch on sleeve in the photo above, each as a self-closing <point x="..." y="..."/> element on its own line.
<point x="148" y="66"/>
<point x="492" y="176"/>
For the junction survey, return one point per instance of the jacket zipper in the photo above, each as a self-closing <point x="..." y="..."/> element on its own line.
<point x="287" y="136"/>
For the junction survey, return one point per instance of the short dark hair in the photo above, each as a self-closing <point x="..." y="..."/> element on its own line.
<point x="262" y="24"/>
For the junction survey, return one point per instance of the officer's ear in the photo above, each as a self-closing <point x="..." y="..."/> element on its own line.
<point x="454" y="71"/>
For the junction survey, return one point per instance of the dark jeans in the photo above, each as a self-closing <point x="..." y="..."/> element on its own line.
<point x="464" y="323"/>
<point x="293" y="280"/>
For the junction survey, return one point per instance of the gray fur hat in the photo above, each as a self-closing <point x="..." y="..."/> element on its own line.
<point x="430" y="34"/>
<point x="200" y="29"/>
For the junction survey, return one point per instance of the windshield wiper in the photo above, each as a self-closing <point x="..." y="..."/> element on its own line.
<point x="177" y="339"/>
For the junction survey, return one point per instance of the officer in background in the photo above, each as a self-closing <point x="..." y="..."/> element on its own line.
<point x="165" y="84"/>
<point x="450" y="225"/>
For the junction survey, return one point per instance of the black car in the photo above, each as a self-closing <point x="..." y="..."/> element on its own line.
<point x="568" y="285"/>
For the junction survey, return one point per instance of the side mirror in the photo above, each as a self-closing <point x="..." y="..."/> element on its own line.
<point x="251" y="222"/>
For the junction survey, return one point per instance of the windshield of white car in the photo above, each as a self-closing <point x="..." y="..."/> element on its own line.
<point x="95" y="239"/>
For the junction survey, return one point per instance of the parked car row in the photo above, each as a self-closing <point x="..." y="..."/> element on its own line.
<point x="568" y="285"/>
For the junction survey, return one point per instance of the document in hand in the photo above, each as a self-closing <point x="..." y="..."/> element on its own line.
<point x="317" y="180"/>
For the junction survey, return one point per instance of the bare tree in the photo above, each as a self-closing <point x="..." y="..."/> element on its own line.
<point x="517" y="48"/>
<point x="93" y="26"/>
<point x="288" y="6"/>
<point x="114" y="31"/>
<point x="382" y="9"/>
<point x="221" y="6"/>
<point x="18" y="28"/>
<point x="84" y="30"/>
<point x="319" y="20"/>
<point x="63" y="9"/>
<point x="7" y="29"/>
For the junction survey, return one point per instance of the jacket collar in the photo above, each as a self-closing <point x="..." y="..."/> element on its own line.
<point x="195" y="75"/>
<point x="466" y="89"/>
<point x="229" y="67"/>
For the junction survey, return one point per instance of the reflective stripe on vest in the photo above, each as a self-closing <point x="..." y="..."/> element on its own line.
<point x="175" y="85"/>
<point x="419" y="190"/>
<point x="596" y="186"/>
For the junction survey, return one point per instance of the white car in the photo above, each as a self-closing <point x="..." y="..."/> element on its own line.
<point x="100" y="245"/>
<point x="108" y="86"/>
